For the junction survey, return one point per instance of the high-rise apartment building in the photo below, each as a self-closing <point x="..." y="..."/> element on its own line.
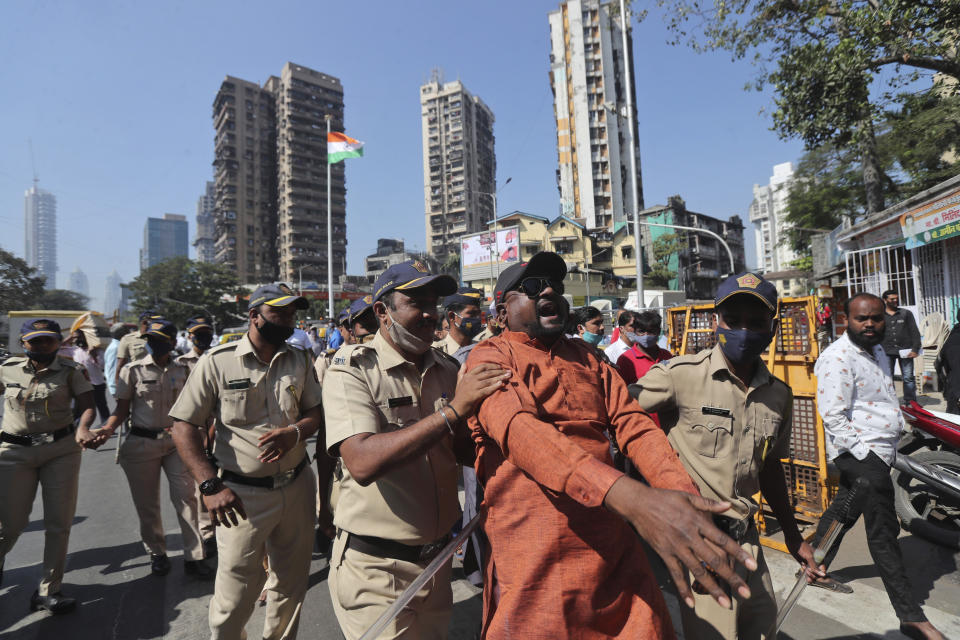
<point x="768" y="213"/>
<point x="40" y="225"/>
<point x="78" y="282"/>
<point x="459" y="164"/>
<point x="270" y="204"/>
<point x="163" y="238"/>
<point x="588" y="72"/>
<point x="111" y="293"/>
<point x="204" y="241"/>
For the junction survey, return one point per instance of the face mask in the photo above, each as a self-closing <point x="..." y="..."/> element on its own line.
<point x="741" y="346"/>
<point x="275" y="334"/>
<point x="592" y="338"/>
<point x="404" y="339"/>
<point x="469" y="326"/>
<point x="634" y="338"/>
<point x="202" y="340"/>
<point x="646" y="340"/>
<point x="41" y="358"/>
<point x="158" y="348"/>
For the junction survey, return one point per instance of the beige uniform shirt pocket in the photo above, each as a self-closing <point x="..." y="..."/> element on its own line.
<point x="45" y="398"/>
<point x="237" y="406"/>
<point x="401" y="416"/>
<point x="708" y="435"/>
<point x="149" y="391"/>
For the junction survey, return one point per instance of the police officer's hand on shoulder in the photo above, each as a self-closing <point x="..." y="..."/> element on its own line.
<point x="475" y="385"/>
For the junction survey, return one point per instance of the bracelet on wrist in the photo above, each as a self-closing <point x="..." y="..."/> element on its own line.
<point x="459" y="418"/>
<point x="299" y="434"/>
<point x="447" y="420"/>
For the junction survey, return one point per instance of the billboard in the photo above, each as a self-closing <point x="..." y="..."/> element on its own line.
<point x="481" y="259"/>
<point x="932" y="222"/>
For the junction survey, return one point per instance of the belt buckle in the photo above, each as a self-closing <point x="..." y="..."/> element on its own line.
<point x="429" y="551"/>
<point x="40" y="438"/>
<point x="163" y="433"/>
<point x="283" y="479"/>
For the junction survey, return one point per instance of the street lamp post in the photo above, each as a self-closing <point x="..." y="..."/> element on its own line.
<point x="495" y="246"/>
<point x="634" y="191"/>
<point x="733" y="268"/>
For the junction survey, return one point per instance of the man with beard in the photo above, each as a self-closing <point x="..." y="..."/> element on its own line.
<point x="266" y="402"/>
<point x="862" y="423"/>
<point x="729" y="420"/>
<point x="564" y="562"/>
<point x="394" y="409"/>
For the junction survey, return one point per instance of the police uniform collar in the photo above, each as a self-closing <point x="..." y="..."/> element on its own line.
<point x="245" y="346"/>
<point x="55" y="364"/>
<point x="718" y="363"/>
<point x="389" y="357"/>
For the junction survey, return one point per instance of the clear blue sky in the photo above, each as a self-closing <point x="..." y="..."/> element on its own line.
<point x="117" y="99"/>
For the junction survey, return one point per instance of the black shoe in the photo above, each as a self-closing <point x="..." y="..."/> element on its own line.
<point x="199" y="569"/>
<point x="159" y="564"/>
<point x="55" y="603"/>
<point x="210" y="547"/>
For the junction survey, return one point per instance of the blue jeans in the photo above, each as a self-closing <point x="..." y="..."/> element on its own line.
<point x="909" y="380"/>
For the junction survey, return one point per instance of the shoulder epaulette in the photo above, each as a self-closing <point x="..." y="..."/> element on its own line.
<point x="345" y="354"/>
<point x="230" y="346"/>
<point x="695" y="358"/>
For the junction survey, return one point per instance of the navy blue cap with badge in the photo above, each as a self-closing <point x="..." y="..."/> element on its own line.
<point x="464" y="296"/>
<point x="343" y="317"/>
<point x="161" y="329"/>
<point x="544" y="267"/>
<point x="198" y="324"/>
<point x="360" y="306"/>
<point x="276" y="295"/>
<point x="43" y="327"/>
<point x="751" y="284"/>
<point x="412" y="274"/>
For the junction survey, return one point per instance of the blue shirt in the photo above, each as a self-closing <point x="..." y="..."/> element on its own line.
<point x="110" y="365"/>
<point x="335" y="340"/>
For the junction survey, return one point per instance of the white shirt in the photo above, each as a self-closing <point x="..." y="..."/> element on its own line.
<point x="615" y="350"/>
<point x="93" y="364"/>
<point x="857" y="401"/>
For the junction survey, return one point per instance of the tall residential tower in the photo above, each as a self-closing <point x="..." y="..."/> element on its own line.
<point x="205" y="239"/>
<point x="40" y="225"/>
<point x="588" y="71"/>
<point x="459" y="164"/>
<point x="768" y="213"/>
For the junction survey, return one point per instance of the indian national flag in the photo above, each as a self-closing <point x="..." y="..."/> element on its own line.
<point x="341" y="146"/>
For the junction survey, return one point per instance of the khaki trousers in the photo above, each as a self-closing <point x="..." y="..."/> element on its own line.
<point x="142" y="459"/>
<point x="362" y="587"/>
<point x="279" y="522"/>
<point x="207" y="528"/>
<point x="56" y="468"/>
<point x="747" y="619"/>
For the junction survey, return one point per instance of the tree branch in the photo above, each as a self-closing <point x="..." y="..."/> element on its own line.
<point x="921" y="62"/>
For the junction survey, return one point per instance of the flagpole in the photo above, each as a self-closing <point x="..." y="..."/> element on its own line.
<point x="328" y="117"/>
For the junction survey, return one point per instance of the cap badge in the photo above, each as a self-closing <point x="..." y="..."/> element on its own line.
<point x="285" y="289"/>
<point x="748" y="281"/>
<point x="156" y="326"/>
<point x="367" y="299"/>
<point x="41" y="324"/>
<point x="419" y="266"/>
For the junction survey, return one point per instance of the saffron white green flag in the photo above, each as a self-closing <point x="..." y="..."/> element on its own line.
<point x="341" y="146"/>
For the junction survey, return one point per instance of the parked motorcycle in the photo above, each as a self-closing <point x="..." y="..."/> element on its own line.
<point x="926" y="476"/>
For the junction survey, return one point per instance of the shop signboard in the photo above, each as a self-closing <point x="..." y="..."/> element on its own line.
<point x="933" y="221"/>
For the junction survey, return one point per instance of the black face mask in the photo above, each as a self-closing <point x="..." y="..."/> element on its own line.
<point x="158" y="348"/>
<point x="275" y="334"/>
<point x="41" y="358"/>
<point x="202" y="340"/>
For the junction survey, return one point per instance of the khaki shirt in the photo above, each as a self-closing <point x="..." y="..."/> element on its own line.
<point x="189" y="359"/>
<point x="40" y="401"/>
<point x="723" y="431"/>
<point x="323" y="363"/>
<point x="133" y="346"/>
<point x="371" y="388"/>
<point x="448" y="345"/>
<point x="249" y="398"/>
<point x="151" y="390"/>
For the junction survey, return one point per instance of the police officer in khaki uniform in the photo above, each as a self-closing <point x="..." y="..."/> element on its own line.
<point x="462" y="313"/>
<point x="200" y="335"/>
<point x="147" y="389"/>
<point x="363" y="322"/>
<point x="394" y="415"/>
<point x="326" y="358"/>
<point x="729" y="420"/>
<point x="133" y="346"/>
<point x="266" y="402"/>
<point x="39" y="446"/>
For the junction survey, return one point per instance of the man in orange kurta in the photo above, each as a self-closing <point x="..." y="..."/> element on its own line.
<point x="564" y="563"/>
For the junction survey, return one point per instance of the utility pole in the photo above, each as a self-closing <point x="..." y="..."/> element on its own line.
<point x="328" y="118"/>
<point x="634" y="194"/>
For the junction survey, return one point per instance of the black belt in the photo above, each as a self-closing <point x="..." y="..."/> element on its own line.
<point x="34" y="439"/>
<point x="153" y="434"/>
<point x="373" y="546"/>
<point x="736" y="529"/>
<point x="267" y="482"/>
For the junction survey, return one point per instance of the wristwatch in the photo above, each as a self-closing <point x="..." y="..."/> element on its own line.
<point x="212" y="486"/>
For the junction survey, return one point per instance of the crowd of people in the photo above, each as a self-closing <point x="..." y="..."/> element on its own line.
<point x="571" y="454"/>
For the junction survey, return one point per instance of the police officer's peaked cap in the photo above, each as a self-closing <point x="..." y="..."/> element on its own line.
<point x="148" y="314"/>
<point x="412" y="274"/>
<point x="545" y="263"/>
<point x="197" y="324"/>
<point x="748" y="284"/>
<point x="343" y="316"/>
<point x="276" y="295"/>
<point x="43" y="327"/>
<point x="464" y="295"/>
<point x="163" y="329"/>
<point x="360" y="306"/>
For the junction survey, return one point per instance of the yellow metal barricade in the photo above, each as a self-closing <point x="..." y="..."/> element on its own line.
<point x="795" y="350"/>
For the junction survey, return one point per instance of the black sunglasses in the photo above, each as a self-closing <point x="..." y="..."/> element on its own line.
<point x="534" y="286"/>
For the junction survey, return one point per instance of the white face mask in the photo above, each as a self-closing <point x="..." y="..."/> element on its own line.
<point x="405" y="339"/>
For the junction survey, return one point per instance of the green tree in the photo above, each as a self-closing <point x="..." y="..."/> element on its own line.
<point x="20" y="286"/>
<point x="822" y="59"/>
<point x="664" y="248"/>
<point x="451" y="266"/>
<point x="180" y="288"/>
<point x="63" y="299"/>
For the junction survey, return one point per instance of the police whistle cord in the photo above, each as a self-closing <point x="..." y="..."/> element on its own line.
<point x="393" y="611"/>
<point x="850" y="511"/>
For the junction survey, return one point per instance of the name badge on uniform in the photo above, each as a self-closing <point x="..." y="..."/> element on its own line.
<point x="14" y="385"/>
<point x="400" y="402"/>
<point x="148" y="381"/>
<point x="242" y="383"/>
<point x="716" y="411"/>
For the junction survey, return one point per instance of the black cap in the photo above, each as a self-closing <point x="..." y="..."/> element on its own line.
<point x="276" y="295"/>
<point x="464" y="295"/>
<point x="748" y="283"/>
<point x="412" y="274"/>
<point x="198" y="323"/>
<point x="545" y="263"/>
<point x="148" y="314"/>
<point x="360" y="306"/>
<point x="43" y="327"/>
<point x="160" y="328"/>
<point x="343" y="316"/>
